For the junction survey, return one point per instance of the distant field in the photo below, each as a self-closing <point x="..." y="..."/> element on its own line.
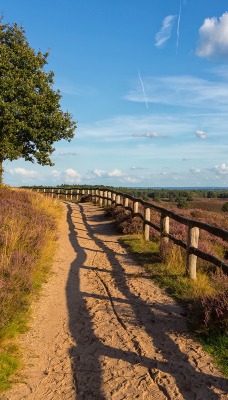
<point x="213" y="205"/>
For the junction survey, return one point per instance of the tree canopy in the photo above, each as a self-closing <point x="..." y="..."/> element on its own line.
<point x="31" y="119"/>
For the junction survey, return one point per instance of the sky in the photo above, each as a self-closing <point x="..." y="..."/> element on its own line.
<point x="147" y="83"/>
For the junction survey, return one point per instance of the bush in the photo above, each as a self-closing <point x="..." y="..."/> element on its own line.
<point x="209" y="313"/>
<point x="124" y="221"/>
<point x="182" y="203"/>
<point x="86" y="198"/>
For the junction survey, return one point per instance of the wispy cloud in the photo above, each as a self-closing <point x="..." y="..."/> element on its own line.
<point x="201" y="135"/>
<point x="63" y="154"/>
<point x="137" y="168"/>
<point x="221" y="71"/>
<point x="165" y="32"/>
<point x="152" y="135"/>
<point x="213" y="37"/>
<point x="184" y="91"/>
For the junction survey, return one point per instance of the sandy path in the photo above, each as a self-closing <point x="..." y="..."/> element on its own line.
<point x="103" y="330"/>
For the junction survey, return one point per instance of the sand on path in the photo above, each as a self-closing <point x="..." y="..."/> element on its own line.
<point x="102" y="329"/>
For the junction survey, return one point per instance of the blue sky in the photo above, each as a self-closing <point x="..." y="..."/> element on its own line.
<point x="147" y="83"/>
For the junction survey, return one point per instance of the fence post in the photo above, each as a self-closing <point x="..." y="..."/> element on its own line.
<point x="77" y="191"/>
<point x="52" y="193"/>
<point x="58" y="193"/>
<point x="118" y="199"/>
<point x="105" y="201"/>
<point x="193" y="240"/>
<point x="146" y="226"/>
<point x="71" y="194"/>
<point x="113" y="198"/>
<point x="136" y="207"/>
<point x="101" y="198"/>
<point x="126" y="202"/>
<point x="66" y="193"/>
<point x="109" y="198"/>
<point x="164" y="226"/>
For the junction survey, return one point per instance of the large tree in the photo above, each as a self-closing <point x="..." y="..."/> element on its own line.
<point x="31" y="119"/>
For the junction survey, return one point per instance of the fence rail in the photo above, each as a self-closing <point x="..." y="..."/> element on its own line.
<point x="106" y="197"/>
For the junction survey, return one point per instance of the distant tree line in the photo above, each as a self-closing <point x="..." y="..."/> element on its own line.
<point x="159" y="194"/>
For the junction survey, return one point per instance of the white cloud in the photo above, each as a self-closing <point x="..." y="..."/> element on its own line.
<point x="195" y="170"/>
<point x="56" y="174"/>
<point x="115" y="172"/>
<point x="69" y="176"/>
<point x="213" y="40"/>
<point x="201" y="134"/>
<point x="23" y="172"/>
<point x="104" y="174"/>
<point x="98" y="172"/>
<point x="165" y="32"/>
<point x="221" y="169"/>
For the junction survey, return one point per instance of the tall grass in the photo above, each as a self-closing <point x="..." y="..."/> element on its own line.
<point x="28" y="223"/>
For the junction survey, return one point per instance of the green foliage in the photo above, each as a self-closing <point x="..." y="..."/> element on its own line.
<point x="182" y="203"/>
<point x="31" y="119"/>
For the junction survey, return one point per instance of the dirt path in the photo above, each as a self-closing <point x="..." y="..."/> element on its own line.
<point x="102" y="330"/>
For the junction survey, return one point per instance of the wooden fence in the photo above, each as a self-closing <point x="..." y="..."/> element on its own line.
<point x="142" y="209"/>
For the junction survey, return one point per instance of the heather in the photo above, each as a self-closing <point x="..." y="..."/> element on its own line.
<point x="27" y="235"/>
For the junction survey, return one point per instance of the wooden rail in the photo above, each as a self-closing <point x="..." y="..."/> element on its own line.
<point x="107" y="197"/>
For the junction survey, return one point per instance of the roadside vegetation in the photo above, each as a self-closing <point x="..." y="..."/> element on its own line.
<point x="206" y="299"/>
<point x="28" y="226"/>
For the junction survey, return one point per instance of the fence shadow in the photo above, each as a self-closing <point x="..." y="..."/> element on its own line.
<point x="85" y="354"/>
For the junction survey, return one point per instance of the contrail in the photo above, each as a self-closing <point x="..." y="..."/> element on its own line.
<point x="143" y="89"/>
<point x="178" y="27"/>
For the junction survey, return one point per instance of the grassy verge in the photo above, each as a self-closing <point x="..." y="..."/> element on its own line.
<point x="198" y="296"/>
<point x="28" y="226"/>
